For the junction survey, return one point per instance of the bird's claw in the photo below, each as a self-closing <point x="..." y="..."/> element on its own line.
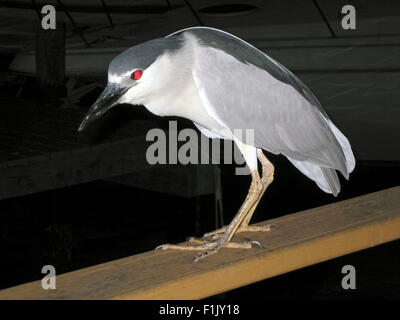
<point x="255" y="244"/>
<point x="162" y="246"/>
<point x="210" y="247"/>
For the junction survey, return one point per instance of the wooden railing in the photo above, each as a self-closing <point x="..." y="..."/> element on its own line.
<point x="300" y="240"/>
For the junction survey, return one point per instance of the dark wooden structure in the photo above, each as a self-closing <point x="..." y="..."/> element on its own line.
<point x="41" y="150"/>
<point x="50" y="63"/>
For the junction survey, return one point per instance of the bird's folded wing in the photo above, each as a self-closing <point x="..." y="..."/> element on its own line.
<point x="208" y="133"/>
<point x="243" y="88"/>
<point x="243" y="96"/>
<point x="246" y="53"/>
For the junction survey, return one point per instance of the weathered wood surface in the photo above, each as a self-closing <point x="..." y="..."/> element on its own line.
<point x="300" y="240"/>
<point x="41" y="150"/>
<point x="50" y="63"/>
<point x="181" y="180"/>
<point x="50" y="56"/>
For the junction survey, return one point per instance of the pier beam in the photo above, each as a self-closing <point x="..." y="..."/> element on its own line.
<point x="50" y="64"/>
<point x="300" y="240"/>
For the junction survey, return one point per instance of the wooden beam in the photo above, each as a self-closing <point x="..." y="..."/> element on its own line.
<point x="300" y="240"/>
<point x="50" y="63"/>
<point x="187" y="181"/>
<point x="70" y="167"/>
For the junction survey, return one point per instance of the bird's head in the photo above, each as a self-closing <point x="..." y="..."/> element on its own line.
<point x="134" y="76"/>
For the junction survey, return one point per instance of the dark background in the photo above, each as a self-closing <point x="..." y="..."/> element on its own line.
<point x="95" y="222"/>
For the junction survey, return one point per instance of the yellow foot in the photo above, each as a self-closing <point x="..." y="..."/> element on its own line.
<point x="209" y="247"/>
<point x="247" y="228"/>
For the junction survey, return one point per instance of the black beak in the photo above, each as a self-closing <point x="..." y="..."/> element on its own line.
<point x="108" y="98"/>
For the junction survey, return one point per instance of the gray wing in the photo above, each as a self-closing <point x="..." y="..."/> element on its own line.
<point x="243" y="88"/>
<point x="245" y="52"/>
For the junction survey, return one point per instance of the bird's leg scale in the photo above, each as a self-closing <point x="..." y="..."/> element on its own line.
<point x="266" y="179"/>
<point x="212" y="246"/>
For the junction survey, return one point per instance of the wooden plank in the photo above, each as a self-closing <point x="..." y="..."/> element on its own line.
<point x="300" y="240"/>
<point x="41" y="149"/>
<point x="181" y="180"/>
<point x="363" y="41"/>
<point x="70" y="167"/>
<point x="50" y="62"/>
<point x="336" y="58"/>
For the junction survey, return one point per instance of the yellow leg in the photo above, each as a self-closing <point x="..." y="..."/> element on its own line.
<point x="212" y="246"/>
<point x="203" y="244"/>
<point x="267" y="178"/>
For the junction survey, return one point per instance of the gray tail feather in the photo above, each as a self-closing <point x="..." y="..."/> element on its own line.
<point x="332" y="179"/>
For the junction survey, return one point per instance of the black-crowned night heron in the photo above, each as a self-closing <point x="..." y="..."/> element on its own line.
<point x="224" y="84"/>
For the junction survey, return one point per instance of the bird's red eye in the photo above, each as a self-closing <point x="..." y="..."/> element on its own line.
<point x="136" y="75"/>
